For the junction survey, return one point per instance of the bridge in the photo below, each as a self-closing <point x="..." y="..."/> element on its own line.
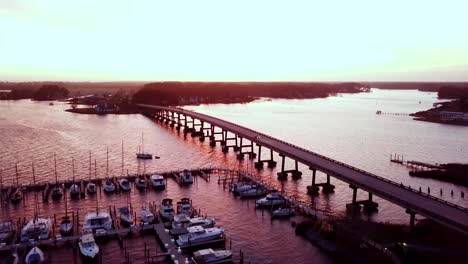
<point x="415" y="202"/>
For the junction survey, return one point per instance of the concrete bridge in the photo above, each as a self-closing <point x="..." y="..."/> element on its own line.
<point x="242" y="139"/>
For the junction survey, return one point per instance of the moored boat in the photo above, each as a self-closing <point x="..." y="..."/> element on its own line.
<point x="185" y="177"/>
<point x="147" y="217"/>
<point x="271" y="199"/>
<point x="198" y="234"/>
<point x="109" y="186"/>
<point x="91" y="188"/>
<point x="35" y="256"/>
<point x="158" y="182"/>
<point x="185" y="207"/>
<point x="126" y="218"/>
<point x="211" y="256"/>
<point x="166" y="210"/>
<point x="66" y="226"/>
<point x="88" y="247"/>
<point x="283" y="212"/>
<point x="17" y="196"/>
<point x="239" y="187"/>
<point x="141" y="154"/>
<point x="141" y="184"/>
<point x="182" y="222"/>
<point x="99" y="220"/>
<point x="254" y="192"/>
<point x="75" y="191"/>
<point x="7" y="231"/>
<point x="125" y="185"/>
<point x="37" y="228"/>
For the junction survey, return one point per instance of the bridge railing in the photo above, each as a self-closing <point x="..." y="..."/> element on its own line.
<point x="323" y="157"/>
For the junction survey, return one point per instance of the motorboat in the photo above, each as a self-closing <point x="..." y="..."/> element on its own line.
<point x="38" y="228"/>
<point x="66" y="226"/>
<point x="182" y="222"/>
<point x="237" y="188"/>
<point x="34" y="256"/>
<point x="17" y="196"/>
<point x="125" y="185"/>
<point x="57" y="193"/>
<point x="283" y="212"/>
<point x="75" y="191"/>
<point x="126" y="218"/>
<point x="88" y="247"/>
<point x="99" y="220"/>
<point x="185" y="207"/>
<point x="271" y="199"/>
<point x="109" y="186"/>
<point x="158" y="182"/>
<point x="7" y="231"/>
<point x="91" y="188"/>
<point x="185" y="177"/>
<point x="141" y="183"/>
<point x="166" y="210"/>
<point x="254" y="192"/>
<point x="211" y="256"/>
<point x="147" y="217"/>
<point x="198" y="234"/>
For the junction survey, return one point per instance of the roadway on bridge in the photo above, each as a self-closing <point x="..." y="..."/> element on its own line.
<point x="438" y="210"/>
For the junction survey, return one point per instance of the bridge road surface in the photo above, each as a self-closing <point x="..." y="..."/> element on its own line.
<point x="438" y="210"/>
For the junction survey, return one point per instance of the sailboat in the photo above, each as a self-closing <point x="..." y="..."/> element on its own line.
<point x="75" y="188"/>
<point x="66" y="226"/>
<point x="141" y="151"/>
<point x="35" y="256"/>
<point x="17" y="196"/>
<point x="109" y="186"/>
<point x="91" y="186"/>
<point x="57" y="190"/>
<point x="37" y="228"/>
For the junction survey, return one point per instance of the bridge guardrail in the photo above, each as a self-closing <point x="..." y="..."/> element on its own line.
<point x="318" y="155"/>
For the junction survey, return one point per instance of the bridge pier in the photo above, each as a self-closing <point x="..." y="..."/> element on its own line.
<point x="194" y="132"/>
<point x="242" y="153"/>
<point x="259" y="162"/>
<point x="283" y="175"/>
<point x="354" y="205"/>
<point x="226" y="146"/>
<point x="412" y="218"/>
<point x="179" y="122"/>
<point x="172" y="123"/>
<point x="213" y="139"/>
<point x="368" y="205"/>
<point x="313" y="189"/>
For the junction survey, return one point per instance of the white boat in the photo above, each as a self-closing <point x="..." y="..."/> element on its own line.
<point x="166" y="210"/>
<point x="88" y="247"/>
<point x="198" y="234"/>
<point x="7" y="231"/>
<point x="98" y="220"/>
<point x="185" y="207"/>
<point x="140" y="183"/>
<point x="158" y="182"/>
<point x="125" y="185"/>
<point x="182" y="222"/>
<point x="35" y="256"/>
<point x="126" y="217"/>
<point x="271" y="199"/>
<point x="185" y="177"/>
<point x="211" y="256"/>
<point x="38" y="228"/>
<point x="254" y="192"/>
<point x="241" y="187"/>
<point x="109" y="186"/>
<point x="283" y="212"/>
<point x="91" y="188"/>
<point x="147" y="217"/>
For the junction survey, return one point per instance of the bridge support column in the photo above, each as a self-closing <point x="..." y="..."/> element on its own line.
<point x="412" y="218"/>
<point x="369" y="205"/>
<point x="228" y="139"/>
<point x="283" y="175"/>
<point x="202" y="132"/>
<point x="259" y="163"/>
<point x="172" y="119"/>
<point x="313" y="189"/>
<point x="271" y="162"/>
<point x="242" y="153"/>
<point x="354" y="206"/>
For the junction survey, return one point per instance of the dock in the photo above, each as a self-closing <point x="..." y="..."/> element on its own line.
<point x="168" y="244"/>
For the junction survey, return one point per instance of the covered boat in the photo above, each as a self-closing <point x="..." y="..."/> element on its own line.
<point x="125" y="185"/>
<point x="147" y="217"/>
<point x="166" y="210"/>
<point x="38" y="228"/>
<point x="182" y="222"/>
<point x="97" y="220"/>
<point x="158" y="182"/>
<point x="211" y="256"/>
<point x="88" y="247"/>
<point x="35" y="256"/>
<point x="198" y="234"/>
<point x="126" y="218"/>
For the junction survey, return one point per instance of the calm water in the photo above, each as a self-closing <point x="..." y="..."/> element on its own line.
<point x="344" y="127"/>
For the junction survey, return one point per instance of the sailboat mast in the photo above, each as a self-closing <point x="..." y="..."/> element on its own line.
<point x="142" y="143"/>
<point x="73" y="169"/>
<point x="16" y="171"/>
<point x="34" y="175"/>
<point x="90" y="165"/>
<point x="55" y="165"/>
<point x="122" y="157"/>
<point x="107" y="161"/>
<point x="95" y="169"/>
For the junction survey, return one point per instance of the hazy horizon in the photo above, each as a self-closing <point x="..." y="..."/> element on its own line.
<point x="297" y="41"/>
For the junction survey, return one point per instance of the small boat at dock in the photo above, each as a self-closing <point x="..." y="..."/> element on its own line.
<point x="239" y="187"/>
<point x="98" y="220"/>
<point x="7" y="231"/>
<point x="182" y="222"/>
<point x="88" y="247"/>
<point x="146" y="216"/>
<point x="38" y="228"/>
<point x="283" y="212"/>
<point x="109" y="186"/>
<point x="75" y="188"/>
<point x="57" y="191"/>
<point x="35" y="256"/>
<point x="66" y="225"/>
<point x="198" y="234"/>
<point x="185" y="177"/>
<point x="185" y="207"/>
<point x="254" y="192"/>
<point x="17" y="196"/>
<point x="211" y="256"/>
<point x="141" y="183"/>
<point x="158" y="182"/>
<point x="126" y="218"/>
<point x="125" y="185"/>
<point x="271" y="199"/>
<point x="91" y="188"/>
<point x="141" y="154"/>
<point x="166" y="210"/>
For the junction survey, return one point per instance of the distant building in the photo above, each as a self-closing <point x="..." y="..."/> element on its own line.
<point x="451" y="116"/>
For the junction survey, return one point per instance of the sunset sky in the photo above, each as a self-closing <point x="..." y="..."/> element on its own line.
<point x="238" y="40"/>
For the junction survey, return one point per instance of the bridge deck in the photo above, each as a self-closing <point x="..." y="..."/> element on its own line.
<point x="431" y="207"/>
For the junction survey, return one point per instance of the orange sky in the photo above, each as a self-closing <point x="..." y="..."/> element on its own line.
<point x="241" y="40"/>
